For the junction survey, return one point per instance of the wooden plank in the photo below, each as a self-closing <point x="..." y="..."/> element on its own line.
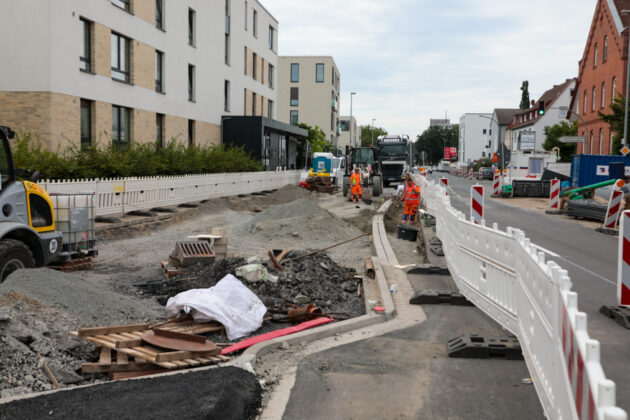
<point x="105" y="358"/>
<point x="121" y="359"/>
<point x="192" y="362"/>
<point x="128" y="343"/>
<point x="129" y="335"/>
<point x="86" y="332"/>
<point x="181" y="364"/>
<point x="105" y="338"/>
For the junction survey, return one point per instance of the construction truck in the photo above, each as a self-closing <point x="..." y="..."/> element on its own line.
<point x="369" y="164"/>
<point x="27" y="225"/>
<point x="396" y="157"/>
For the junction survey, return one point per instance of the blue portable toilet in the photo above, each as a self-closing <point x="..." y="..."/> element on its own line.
<point x="322" y="162"/>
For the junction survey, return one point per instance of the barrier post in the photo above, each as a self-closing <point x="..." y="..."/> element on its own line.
<point x="623" y="263"/>
<point x="554" y="194"/>
<point x="495" y="184"/>
<point x="444" y="183"/>
<point x="476" y="204"/>
<point x="614" y="206"/>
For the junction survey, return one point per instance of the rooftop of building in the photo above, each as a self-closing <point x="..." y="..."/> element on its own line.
<point x="549" y="98"/>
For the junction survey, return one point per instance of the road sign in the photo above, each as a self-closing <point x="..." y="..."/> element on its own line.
<point x="625" y="150"/>
<point x="572" y="139"/>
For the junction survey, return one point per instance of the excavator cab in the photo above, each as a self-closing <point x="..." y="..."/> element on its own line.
<point x="27" y="224"/>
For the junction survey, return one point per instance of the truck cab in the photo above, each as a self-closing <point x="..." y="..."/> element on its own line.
<point x="395" y="155"/>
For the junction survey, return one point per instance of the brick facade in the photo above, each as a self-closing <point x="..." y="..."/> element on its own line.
<point x="102" y="46"/>
<point x="143" y="65"/>
<point x="145" y="10"/>
<point x="602" y="69"/>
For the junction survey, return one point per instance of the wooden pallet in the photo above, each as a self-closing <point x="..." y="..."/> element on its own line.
<point x="170" y="271"/>
<point x="126" y="339"/>
<point x="74" y="264"/>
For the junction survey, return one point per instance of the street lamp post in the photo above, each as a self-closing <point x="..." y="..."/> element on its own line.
<point x="373" y="119"/>
<point x="351" y="139"/>
<point x="625" y="118"/>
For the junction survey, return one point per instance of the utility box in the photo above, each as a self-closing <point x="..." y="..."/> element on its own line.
<point x="74" y="218"/>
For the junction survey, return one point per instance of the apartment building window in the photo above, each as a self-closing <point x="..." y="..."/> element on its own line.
<point x="246" y="16"/>
<point x="159" y="71"/>
<point x="595" y="56"/>
<point x="120" y="125"/>
<point x="485" y="131"/>
<point x="191" y="132"/>
<point x="593" y="99"/>
<point x="255" y="23"/>
<point x="585" y="102"/>
<point x="254" y="62"/>
<point x="191" y="83"/>
<point x="191" y="27"/>
<point x="253" y="103"/>
<point x="271" y="37"/>
<point x="86" y="124"/>
<point x="601" y="139"/>
<point x="603" y="94"/>
<point x="120" y="58"/>
<point x="270" y="75"/>
<point x="294" y="117"/>
<point x="159" y="129"/>
<point x="610" y="143"/>
<point x="614" y="91"/>
<point x="295" y="72"/>
<point x="319" y="73"/>
<point x="605" y="55"/>
<point x="270" y="109"/>
<point x="332" y="76"/>
<point x="226" y="96"/>
<point x="86" y="46"/>
<point x="227" y="49"/>
<point x="227" y="32"/>
<point x="159" y="13"/>
<point x="294" y="96"/>
<point x="123" y="4"/>
<point x="332" y="121"/>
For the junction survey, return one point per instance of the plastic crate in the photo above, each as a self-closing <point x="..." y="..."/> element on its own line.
<point x="74" y="218"/>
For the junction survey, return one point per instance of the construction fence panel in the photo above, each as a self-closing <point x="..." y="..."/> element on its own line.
<point x="508" y="277"/>
<point x="122" y="195"/>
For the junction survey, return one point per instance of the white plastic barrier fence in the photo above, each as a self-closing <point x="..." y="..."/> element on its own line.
<point x="115" y="196"/>
<point x="507" y="277"/>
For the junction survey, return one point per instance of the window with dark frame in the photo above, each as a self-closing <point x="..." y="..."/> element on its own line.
<point x="86" y="46"/>
<point x="227" y="49"/>
<point x="255" y="23"/>
<point x="120" y="125"/>
<point x="246" y="16"/>
<point x="319" y="73"/>
<point x="159" y="129"/>
<point x="253" y="104"/>
<point x="254" y="62"/>
<point x="271" y="37"/>
<point x="227" y="32"/>
<point x="226" y="96"/>
<point x="605" y="52"/>
<point x="123" y="4"/>
<point x="295" y="72"/>
<point x="270" y="109"/>
<point x="270" y="75"/>
<point x="159" y="71"/>
<point x="120" y="58"/>
<point x="295" y="96"/>
<point x="191" y="27"/>
<point x="191" y="132"/>
<point x="159" y="13"/>
<point x="86" y="124"/>
<point x="191" y="83"/>
<point x="294" y="117"/>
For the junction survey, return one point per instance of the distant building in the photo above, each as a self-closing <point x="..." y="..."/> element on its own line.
<point x="602" y="73"/>
<point x="527" y="129"/>
<point x="344" y="130"/>
<point x="308" y="92"/>
<point x="501" y="119"/>
<point x="474" y="138"/>
<point x="439" y="123"/>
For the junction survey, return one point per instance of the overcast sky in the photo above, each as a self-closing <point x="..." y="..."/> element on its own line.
<point x="412" y="60"/>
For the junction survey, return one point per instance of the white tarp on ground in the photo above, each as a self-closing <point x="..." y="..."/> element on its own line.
<point x="228" y="302"/>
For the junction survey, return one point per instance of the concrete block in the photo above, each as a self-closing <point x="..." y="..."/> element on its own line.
<point x="219" y="231"/>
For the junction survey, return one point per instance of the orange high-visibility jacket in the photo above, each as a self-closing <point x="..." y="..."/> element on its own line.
<point x="412" y="195"/>
<point x="355" y="180"/>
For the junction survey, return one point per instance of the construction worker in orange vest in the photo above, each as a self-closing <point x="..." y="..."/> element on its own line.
<point x="355" y="185"/>
<point x="411" y="197"/>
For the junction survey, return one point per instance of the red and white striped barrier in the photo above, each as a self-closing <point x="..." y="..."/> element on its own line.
<point x="623" y="265"/>
<point x="496" y="183"/>
<point x="476" y="204"/>
<point x="614" y="206"/>
<point x="554" y="195"/>
<point x="444" y="183"/>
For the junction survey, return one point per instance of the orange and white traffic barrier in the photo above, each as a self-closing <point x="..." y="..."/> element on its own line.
<point x="496" y="183"/>
<point x="444" y="183"/>
<point x="476" y="204"/>
<point x="554" y="195"/>
<point x="614" y="205"/>
<point x="623" y="265"/>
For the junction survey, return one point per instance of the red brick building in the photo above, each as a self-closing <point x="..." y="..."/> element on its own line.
<point x="602" y="73"/>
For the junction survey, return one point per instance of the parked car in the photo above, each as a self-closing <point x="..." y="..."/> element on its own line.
<point x="485" y="173"/>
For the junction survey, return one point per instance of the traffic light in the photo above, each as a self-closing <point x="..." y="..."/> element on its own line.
<point x="541" y="107"/>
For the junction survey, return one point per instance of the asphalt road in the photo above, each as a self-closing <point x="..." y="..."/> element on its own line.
<point x="591" y="260"/>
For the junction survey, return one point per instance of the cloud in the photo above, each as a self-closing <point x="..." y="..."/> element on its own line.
<point x="412" y="60"/>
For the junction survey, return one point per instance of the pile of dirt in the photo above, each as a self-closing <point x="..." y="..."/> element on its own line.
<point x="393" y="216"/>
<point x="261" y="200"/>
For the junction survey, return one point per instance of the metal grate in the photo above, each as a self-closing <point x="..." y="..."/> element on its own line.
<point x="193" y="252"/>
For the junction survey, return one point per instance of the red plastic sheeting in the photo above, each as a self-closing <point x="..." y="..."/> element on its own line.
<point x="248" y="342"/>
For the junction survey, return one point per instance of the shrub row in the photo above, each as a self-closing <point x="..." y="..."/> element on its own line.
<point x="131" y="160"/>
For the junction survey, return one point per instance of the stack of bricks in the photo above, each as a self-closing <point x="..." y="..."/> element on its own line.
<point x="220" y="247"/>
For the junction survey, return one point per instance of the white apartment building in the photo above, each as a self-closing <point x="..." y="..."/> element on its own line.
<point x="344" y="133"/>
<point x="474" y="138"/>
<point x="308" y="92"/>
<point x="86" y="71"/>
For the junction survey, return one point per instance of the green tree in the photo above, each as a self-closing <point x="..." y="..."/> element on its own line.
<point x="367" y="133"/>
<point x="552" y="139"/>
<point x="615" y="120"/>
<point x="316" y="143"/>
<point x="434" y="139"/>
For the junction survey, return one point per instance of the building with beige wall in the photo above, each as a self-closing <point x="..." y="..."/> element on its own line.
<point x="308" y="92"/>
<point x="103" y="71"/>
<point x="344" y="132"/>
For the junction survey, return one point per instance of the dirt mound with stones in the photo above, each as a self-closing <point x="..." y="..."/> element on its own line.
<point x="261" y="200"/>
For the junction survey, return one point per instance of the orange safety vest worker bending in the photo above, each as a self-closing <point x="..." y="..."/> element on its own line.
<point x="355" y="186"/>
<point x="412" y="201"/>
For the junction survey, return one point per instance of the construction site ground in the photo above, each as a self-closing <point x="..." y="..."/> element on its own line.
<point x="39" y="307"/>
